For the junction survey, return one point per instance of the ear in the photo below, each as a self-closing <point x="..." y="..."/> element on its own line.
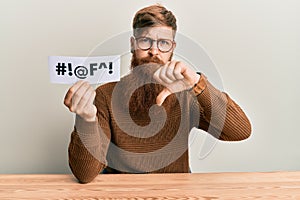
<point x="132" y="44"/>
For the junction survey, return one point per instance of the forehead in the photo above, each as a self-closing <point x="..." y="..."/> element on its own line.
<point x="157" y="32"/>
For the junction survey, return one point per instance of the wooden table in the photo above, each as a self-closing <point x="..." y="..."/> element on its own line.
<point x="209" y="186"/>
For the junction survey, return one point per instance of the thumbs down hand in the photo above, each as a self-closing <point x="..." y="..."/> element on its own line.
<point x="176" y="76"/>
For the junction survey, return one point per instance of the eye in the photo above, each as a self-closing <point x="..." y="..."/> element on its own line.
<point x="165" y="42"/>
<point x="145" y="40"/>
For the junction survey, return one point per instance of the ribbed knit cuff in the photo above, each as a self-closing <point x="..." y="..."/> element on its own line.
<point x="207" y="94"/>
<point x="84" y="127"/>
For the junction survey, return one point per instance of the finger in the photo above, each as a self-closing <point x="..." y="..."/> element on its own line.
<point x="90" y="107"/>
<point x="80" y="108"/>
<point x="178" y="71"/>
<point x="163" y="77"/>
<point x="78" y="95"/>
<point x="185" y="70"/>
<point x="71" y="92"/>
<point x="170" y="71"/>
<point x="162" y="96"/>
<point x="91" y="99"/>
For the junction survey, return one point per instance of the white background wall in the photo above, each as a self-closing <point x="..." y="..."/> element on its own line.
<point x="254" y="44"/>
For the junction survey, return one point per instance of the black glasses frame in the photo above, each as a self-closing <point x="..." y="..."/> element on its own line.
<point x="157" y="42"/>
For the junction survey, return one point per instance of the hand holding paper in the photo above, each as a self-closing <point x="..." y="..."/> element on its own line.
<point x="83" y="71"/>
<point x="79" y="99"/>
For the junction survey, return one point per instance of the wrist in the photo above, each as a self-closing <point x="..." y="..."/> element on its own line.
<point x="90" y="119"/>
<point x="84" y="127"/>
<point x="197" y="77"/>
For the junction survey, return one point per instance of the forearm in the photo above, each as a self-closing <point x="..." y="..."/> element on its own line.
<point x="220" y="115"/>
<point x="86" y="157"/>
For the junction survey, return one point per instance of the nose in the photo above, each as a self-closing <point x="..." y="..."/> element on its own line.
<point x="153" y="50"/>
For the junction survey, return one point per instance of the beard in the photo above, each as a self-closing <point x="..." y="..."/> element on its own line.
<point x="146" y="89"/>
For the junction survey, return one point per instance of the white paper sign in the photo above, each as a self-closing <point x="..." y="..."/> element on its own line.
<point x="68" y="70"/>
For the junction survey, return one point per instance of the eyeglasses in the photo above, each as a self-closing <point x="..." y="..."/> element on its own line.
<point x="145" y="43"/>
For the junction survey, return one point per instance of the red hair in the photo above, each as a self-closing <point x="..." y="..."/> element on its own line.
<point x="155" y="15"/>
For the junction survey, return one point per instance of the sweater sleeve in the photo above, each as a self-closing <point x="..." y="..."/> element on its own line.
<point x="220" y="116"/>
<point x="89" y="143"/>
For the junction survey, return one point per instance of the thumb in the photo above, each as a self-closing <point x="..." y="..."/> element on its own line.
<point x="162" y="96"/>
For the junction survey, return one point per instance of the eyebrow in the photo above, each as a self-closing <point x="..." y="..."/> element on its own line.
<point x="156" y="39"/>
<point x="145" y="33"/>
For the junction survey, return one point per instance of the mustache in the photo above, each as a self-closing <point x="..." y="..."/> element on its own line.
<point x="135" y="61"/>
<point x="145" y="71"/>
<point x="149" y="59"/>
<point x="144" y="68"/>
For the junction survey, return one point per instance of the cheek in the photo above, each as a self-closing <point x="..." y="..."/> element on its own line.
<point x="166" y="57"/>
<point x="140" y="54"/>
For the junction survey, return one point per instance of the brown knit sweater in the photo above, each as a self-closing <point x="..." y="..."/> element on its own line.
<point x="123" y="143"/>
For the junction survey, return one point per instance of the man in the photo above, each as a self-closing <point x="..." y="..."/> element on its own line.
<point x="141" y="123"/>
